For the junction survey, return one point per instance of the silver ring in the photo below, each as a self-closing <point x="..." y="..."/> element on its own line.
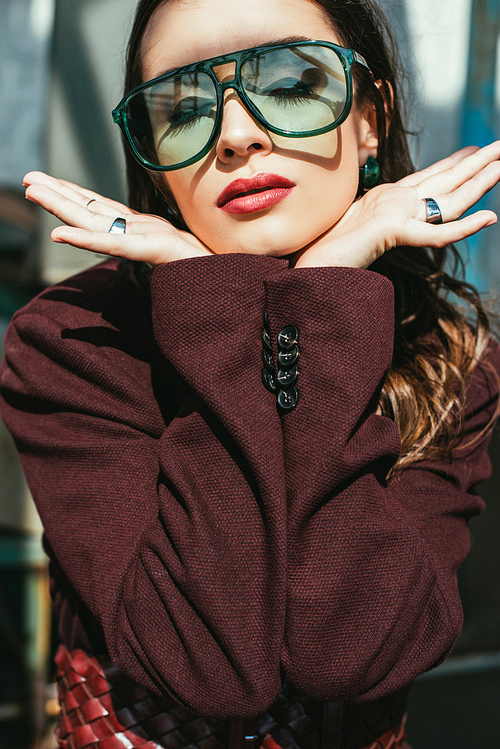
<point x="118" y="226"/>
<point x="92" y="200"/>
<point x="434" y="215"/>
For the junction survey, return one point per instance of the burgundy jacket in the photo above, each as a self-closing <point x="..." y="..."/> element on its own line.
<point x="210" y="541"/>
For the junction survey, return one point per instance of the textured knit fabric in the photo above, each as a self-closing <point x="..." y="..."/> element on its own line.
<point x="210" y="544"/>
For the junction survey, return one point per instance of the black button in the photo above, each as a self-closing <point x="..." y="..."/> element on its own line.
<point x="266" y="339"/>
<point x="266" y="319"/>
<point x="288" y="337"/>
<point x="288" y="399"/>
<point x="268" y="360"/>
<point x="287" y="377"/>
<point x="288" y="358"/>
<point x="269" y="380"/>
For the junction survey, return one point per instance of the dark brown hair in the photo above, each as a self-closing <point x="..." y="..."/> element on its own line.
<point x="441" y="328"/>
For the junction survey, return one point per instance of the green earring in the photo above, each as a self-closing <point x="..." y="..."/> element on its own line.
<point x="368" y="176"/>
<point x="371" y="173"/>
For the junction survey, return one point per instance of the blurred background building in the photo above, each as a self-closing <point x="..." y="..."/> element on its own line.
<point x="61" y="64"/>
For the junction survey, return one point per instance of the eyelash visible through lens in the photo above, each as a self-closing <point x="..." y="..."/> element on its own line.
<point x="299" y="94"/>
<point x="184" y="120"/>
<point x="178" y="127"/>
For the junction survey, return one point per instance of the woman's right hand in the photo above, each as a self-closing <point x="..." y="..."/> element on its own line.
<point x="88" y="217"/>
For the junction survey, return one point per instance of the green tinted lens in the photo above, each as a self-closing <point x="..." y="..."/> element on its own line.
<point x="172" y="120"/>
<point x="299" y="89"/>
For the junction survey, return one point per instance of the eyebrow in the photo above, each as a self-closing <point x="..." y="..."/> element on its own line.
<point x="284" y="40"/>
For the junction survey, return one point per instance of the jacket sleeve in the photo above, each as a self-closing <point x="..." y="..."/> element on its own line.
<point x="167" y="531"/>
<point x="372" y="592"/>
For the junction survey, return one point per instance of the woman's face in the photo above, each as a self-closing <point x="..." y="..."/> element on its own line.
<point x="321" y="171"/>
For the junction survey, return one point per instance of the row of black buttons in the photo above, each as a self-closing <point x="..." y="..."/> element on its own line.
<point x="281" y="382"/>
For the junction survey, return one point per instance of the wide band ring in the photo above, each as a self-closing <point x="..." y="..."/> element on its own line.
<point x="118" y="226"/>
<point x="434" y="215"/>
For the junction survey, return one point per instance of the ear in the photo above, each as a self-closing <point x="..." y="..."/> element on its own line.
<point x="367" y="133"/>
<point x="368" y="136"/>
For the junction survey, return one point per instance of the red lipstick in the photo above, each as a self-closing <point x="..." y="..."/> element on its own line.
<point x="255" y="194"/>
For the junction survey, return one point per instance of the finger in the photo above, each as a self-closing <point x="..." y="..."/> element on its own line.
<point x="32" y="177"/>
<point x="95" y="205"/>
<point x="421" y="234"/>
<point x="68" y="210"/>
<point x="104" y="209"/>
<point x="461" y="172"/>
<point x="79" y="194"/>
<point x="73" y="192"/>
<point x="91" y="195"/>
<point x="59" y="185"/>
<point x="40" y="178"/>
<point x="134" y="247"/>
<point x="149" y="248"/>
<point x="414" y="179"/>
<point x="456" y="203"/>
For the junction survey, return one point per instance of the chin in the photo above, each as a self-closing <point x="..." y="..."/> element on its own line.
<point x="267" y="248"/>
<point x="259" y="237"/>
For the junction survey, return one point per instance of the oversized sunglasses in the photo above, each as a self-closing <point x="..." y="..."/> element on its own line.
<point x="298" y="90"/>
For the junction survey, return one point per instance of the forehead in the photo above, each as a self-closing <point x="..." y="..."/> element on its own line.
<point x="181" y="32"/>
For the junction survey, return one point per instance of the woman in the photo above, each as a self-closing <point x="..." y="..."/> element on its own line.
<point x="255" y="467"/>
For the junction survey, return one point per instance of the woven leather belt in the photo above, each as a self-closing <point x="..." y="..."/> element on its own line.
<point x="102" y="708"/>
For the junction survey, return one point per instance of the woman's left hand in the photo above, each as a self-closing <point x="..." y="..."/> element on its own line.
<point x="392" y="215"/>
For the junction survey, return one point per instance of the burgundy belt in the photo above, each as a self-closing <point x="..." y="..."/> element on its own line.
<point x="102" y="708"/>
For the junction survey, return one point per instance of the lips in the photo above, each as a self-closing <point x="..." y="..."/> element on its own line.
<point x="257" y="193"/>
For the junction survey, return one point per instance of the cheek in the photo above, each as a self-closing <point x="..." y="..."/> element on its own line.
<point x="327" y="168"/>
<point x="324" y="150"/>
<point x="327" y="172"/>
<point x="182" y="186"/>
<point x="336" y="150"/>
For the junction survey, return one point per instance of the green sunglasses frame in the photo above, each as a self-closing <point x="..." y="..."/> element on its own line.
<point x="347" y="57"/>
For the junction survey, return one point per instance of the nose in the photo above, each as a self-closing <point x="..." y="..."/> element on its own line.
<point x="240" y="136"/>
